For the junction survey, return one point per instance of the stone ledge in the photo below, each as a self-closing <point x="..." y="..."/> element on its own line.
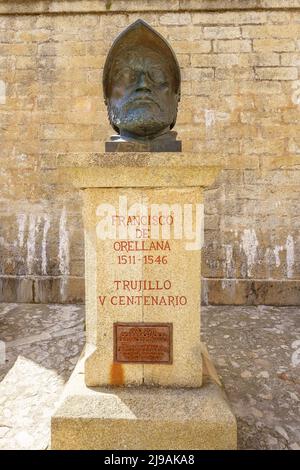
<point x="133" y="160"/>
<point x="142" y="418"/>
<point x="16" y="289"/>
<point x="261" y="163"/>
<point x="128" y="6"/>
<point x="43" y="289"/>
<point x="135" y="169"/>
<point x="95" y="177"/>
<point x="251" y="292"/>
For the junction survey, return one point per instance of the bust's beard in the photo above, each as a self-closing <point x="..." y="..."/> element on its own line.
<point x="142" y="122"/>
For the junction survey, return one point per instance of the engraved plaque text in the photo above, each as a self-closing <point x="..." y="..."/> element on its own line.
<point x="147" y="343"/>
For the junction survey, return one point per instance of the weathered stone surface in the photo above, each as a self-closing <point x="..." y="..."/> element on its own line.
<point x="256" y="352"/>
<point x="102" y="6"/>
<point x="41" y="348"/>
<point x="142" y="418"/>
<point x="51" y="335"/>
<point x="152" y="181"/>
<point x="248" y="292"/>
<point x="238" y="108"/>
<point x="260" y="373"/>
<point x="16" y="290"/>
<point x="28" y="393"/>
<point x="137" y="170"/>
<point x="59" y="290"/>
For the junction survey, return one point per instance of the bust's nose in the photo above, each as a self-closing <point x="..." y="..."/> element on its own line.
<point x="143" y="83"/>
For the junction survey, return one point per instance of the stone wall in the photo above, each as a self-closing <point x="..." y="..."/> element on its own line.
<point x="240" y="107"/>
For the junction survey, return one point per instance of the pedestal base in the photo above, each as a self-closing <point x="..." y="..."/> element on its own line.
<point x="148" y="418"/>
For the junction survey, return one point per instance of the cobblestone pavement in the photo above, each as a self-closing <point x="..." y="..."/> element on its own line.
<point x="256" y="351"/>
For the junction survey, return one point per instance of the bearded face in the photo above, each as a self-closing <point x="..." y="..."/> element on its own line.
<point x="142" y="99"/>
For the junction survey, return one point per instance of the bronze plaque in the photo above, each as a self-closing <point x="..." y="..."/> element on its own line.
<point x="145" y="343"/>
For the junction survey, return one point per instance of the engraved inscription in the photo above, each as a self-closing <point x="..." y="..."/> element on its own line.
<point x="143" y="343"/>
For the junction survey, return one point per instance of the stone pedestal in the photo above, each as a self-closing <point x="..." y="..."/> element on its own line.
<point x="123" y="418"/>
<point x="143" y="223"/>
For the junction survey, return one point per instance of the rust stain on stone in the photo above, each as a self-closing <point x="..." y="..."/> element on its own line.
<point x="116" y="374"/>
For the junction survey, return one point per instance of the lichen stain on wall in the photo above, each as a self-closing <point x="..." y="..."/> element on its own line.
<point x="44" y="243"/>
<point x="249" y="244"/>
<point x="289" y="246"/>
<point x="212" y="116"/>
<point x="2" y="92"/>
<point x="63" y="252"/>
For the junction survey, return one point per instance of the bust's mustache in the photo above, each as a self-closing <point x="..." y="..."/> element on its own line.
<point x="141" y="96"/>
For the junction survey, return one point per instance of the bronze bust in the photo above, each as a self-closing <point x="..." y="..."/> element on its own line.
<point x="141" y="85"/>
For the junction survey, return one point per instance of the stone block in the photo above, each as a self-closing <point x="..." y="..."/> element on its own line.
<point x="234" y="45"/>
<point x="275" y="45"/>
<point x="250" y="292"/>
<point x="175" y="19"/>
<point x="276" y="73"/>
<point x="14" y="289"/>
<point x="221" y="32"/>
<point x="142" y="418"/>
<point x="59" y="290"/>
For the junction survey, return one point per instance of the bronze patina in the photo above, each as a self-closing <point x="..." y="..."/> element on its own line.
<point x="145" y="343"/>
<point x="141" y="84"/>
